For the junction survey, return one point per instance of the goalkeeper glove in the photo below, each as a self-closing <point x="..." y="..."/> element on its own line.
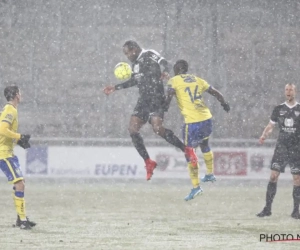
<point x="24" y="141"/>
<point x="226" y="106"/>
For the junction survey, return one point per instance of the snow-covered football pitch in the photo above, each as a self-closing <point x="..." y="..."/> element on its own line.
<point x="115" y="214"/>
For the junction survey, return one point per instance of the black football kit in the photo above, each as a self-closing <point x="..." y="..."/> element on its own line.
<point x="287" y="150"/>
<point x="147" y="77"/>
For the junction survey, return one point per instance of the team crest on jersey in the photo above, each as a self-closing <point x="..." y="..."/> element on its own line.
<point x="9" y="117"/>
<point x="288" y="122"/>
<point x="154" y="57"/>
<point x="136" y="68"/>
<point x="297" y="113"/>
<point x="282" y="112"/>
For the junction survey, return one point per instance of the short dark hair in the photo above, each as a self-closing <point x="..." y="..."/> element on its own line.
<point x="131" y="44"/>
<point x="10" y="92"/>
<point x="182" y="65"/>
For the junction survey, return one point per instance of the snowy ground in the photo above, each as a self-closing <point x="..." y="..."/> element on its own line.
<point x="134" y="215"/>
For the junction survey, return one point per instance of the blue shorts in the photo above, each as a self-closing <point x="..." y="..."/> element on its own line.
<point x="194" y="133"/>
<point x="11" y="168"/>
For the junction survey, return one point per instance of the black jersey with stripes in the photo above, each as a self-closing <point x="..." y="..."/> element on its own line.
<point x="147" y="75"/>
<point x="288" y="119"/>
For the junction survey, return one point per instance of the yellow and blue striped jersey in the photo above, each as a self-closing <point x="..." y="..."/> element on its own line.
<point x="9" y="114"/>
<point x="189" y="89"/>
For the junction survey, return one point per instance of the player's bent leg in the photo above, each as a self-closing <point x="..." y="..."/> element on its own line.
<point x="165" y="133"/>
<point x="190" y="155"/>
<point x="189" y="132"/>
<point x="170" y="137"/>
<point x="270" y="194"/>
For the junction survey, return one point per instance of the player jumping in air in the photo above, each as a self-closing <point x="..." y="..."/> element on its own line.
<point x="188" y="90"/>
<point x="150" y="107"/>
<point x="287" y="150"/>
<point x="9" y="163"/>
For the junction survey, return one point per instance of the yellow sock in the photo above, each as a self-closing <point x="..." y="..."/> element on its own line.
<point x="209" y="162"/>
<point x="20" y="207"/>
<point x="193" y="171"/>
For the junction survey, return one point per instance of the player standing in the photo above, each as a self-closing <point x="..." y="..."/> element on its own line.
<point x="287" y="150"/>
<point x="188" y="90"/>
<point x="9" y="163"/>
<point x="150" y="107"/>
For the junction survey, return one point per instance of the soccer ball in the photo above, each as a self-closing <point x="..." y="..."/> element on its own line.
<point x="122" y="71"/>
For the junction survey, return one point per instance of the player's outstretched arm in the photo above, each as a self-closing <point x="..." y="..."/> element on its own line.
<point x="124" y="85"/>
<point x="267" y="131"/>
<point x="219" y="97"/>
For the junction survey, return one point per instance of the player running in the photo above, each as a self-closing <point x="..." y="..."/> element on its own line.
<point x="9" y="163"/>
<point x="188" y="90"/>
<point x="150" y="107"/>
<point x="287" y="150"/>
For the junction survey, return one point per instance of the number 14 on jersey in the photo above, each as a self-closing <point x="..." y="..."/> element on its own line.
<point x="193" y="95"/>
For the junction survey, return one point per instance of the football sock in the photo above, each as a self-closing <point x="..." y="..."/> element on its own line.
<point x="209" y="162"/>
<point x="271" y="191"/>
<point x="296" y="197"/>
<point x="138" y="142"/>
<point x="172" y="139"/>
<point x="193" y="171"/>
<point x="20" y="204"/>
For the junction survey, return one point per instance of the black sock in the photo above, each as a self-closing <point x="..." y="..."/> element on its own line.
<point x="271" y="191"/>
<point x="139" y="145"/>
<point x="296" y="197"/>
<point x="172" y="139"/>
